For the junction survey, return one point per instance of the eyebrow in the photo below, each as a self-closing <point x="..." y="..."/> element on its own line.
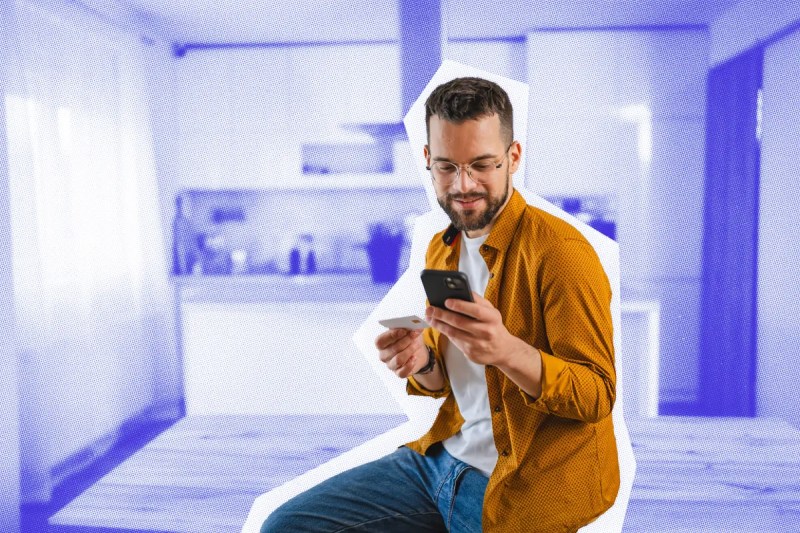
<point x="484" y="156"/>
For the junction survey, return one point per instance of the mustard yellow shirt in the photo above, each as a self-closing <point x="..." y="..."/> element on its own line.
<point x="557" y="468"/>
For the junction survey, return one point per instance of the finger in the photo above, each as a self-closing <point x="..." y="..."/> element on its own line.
<point x="401" y="359"/>
<point x="480" y="300"/>
<point x="387" y="338"/>
<point x="470" y="309"/>
<point x="407" y="369"/>
<point x="414" y="334"/>
<point x="452" y="332"/>
<point x="383" y="340"/>
<point x="454" y="319"/>
<point x="396" y="347"/>
<point x="404" y="342"/>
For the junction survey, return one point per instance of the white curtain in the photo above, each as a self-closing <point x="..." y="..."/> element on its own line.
<point x="94" y="307"/>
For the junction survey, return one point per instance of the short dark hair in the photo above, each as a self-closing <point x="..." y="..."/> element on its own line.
<point x="464" y="99"/>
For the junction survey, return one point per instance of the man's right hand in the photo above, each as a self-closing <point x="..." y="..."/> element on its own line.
<point x="402" y="350"/>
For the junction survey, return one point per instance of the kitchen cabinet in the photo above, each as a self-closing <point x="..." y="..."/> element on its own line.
<point x="283" y="345"/>
<point x="244" y="355"/>
<point x="638" y="361"/>
<point x="234" y="120"/>
<point x="406" y="175"/>
<point x="245" y="113"/>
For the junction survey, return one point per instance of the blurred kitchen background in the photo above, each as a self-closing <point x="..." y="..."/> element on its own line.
<point x="257" y="232"/>
<point x="202" y="201"/>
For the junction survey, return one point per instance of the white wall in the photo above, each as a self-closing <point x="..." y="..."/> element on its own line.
<point x="587" y="90"/>
<point x="245" y="112"/>
<point x="9" y="409"/>
<point x="80" y="384"/>
<point x="779" y="235"/>
<point x="161" y="71"/>
<point x="506" y="58"/>
<point x="747" y="23"/>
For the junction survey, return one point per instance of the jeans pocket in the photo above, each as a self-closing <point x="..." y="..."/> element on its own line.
<point x="458" y="474"/>
<point x="466" y="509"/>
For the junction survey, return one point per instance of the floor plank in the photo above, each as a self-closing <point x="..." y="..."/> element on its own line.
<point x="201" y="475"/>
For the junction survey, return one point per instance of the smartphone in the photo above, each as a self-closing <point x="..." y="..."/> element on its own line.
<point x="443" y="284"/>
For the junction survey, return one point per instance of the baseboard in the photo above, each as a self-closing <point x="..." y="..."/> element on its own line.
<point x="86" y="466"/>
<point x="100" y="447"/>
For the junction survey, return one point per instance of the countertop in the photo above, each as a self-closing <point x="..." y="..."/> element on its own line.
<point x="280" y="288"/>
<point x="317" y="288"/>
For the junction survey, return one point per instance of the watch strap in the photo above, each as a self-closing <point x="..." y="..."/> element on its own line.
<point x="427" y="369"/>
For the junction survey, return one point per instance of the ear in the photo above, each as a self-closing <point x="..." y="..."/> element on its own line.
<point x="427" y="154"/>
<point x="514" y="156"/>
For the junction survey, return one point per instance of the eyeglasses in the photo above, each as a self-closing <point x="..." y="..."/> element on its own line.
<point x="480" y="171"/>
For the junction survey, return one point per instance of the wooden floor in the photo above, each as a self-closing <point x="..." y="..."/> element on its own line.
<point x="201" y="475"/>
<point x="715" y="475"/>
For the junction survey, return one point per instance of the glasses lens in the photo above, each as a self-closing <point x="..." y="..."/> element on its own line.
<point x="482" y="171"/>
<point x="443" y="172"/>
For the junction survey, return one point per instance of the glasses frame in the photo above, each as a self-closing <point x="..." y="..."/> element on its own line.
<point x="497" y="164"/>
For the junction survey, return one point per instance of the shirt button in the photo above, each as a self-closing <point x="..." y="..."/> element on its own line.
<point x="504" y="453"/>
<point x="497" y="408"/>
<point x="491" y="275"/>
<point x="485" y="248"/>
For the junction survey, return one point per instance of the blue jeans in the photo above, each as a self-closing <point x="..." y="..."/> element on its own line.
<point x="402" y="492"/>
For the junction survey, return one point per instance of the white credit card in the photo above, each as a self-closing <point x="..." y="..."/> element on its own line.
<point x="407" y="322"/>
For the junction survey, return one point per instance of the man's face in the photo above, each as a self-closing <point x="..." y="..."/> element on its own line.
<point x="472" y="207"/>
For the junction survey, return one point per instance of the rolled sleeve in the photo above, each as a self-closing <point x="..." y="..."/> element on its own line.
<point x="578" y="376"/>
<point x="415" y="389"/>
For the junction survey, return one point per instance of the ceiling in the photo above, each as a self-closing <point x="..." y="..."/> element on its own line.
<point x="241" y="21"/>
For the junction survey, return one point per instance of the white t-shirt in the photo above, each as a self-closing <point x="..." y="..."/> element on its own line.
<point x="474" y="443"/>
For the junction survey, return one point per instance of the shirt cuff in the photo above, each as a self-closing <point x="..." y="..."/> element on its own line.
<point x="552" y="368"/>
<point x="415" y="389"/>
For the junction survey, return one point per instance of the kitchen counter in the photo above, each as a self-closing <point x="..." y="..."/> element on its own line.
<point x="280" y="288"/>
<point x="239" y="346"/>
<point x="278" y="344"/>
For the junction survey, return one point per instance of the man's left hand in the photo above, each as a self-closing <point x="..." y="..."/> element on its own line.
<point x="476" y="328"/>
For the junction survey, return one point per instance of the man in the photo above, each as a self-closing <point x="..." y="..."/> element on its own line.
<point x="524" y="440"/>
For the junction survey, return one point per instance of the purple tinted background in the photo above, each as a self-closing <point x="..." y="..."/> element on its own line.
<point x="757" y="375"/>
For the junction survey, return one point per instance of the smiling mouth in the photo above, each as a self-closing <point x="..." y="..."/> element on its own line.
<point x="468" y="203"/>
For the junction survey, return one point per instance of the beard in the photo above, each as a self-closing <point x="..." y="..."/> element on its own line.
<point x="471" y="219"/>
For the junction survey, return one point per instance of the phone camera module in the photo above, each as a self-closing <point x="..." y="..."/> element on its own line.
<point x="453" y="283"/>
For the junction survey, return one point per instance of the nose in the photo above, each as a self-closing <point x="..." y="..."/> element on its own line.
<point x="463" y="182"/>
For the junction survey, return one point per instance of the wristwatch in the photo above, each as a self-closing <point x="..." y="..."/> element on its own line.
<point x="427" y="369"/>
